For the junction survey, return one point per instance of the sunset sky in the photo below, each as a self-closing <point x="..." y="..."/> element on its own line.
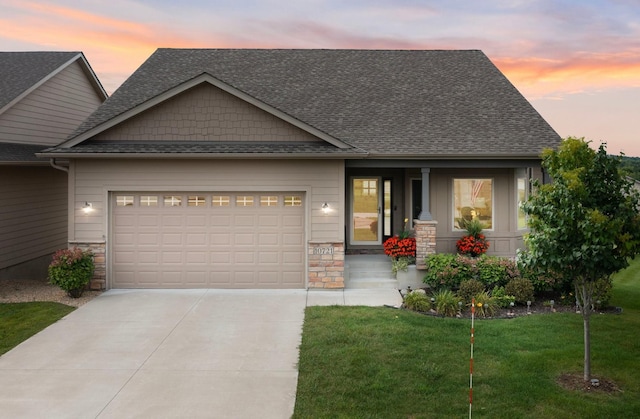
<point x="578" y="62"/>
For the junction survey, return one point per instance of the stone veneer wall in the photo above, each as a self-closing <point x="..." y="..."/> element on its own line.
<point x="99" y="280"/>
<point x="326" y="265"/>
<point x="425" y="232"/>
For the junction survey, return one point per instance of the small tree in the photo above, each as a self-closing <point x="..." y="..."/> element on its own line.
<point x="584" y="225"/>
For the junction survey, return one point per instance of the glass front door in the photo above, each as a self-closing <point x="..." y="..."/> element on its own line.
<point x="368" y="210"/>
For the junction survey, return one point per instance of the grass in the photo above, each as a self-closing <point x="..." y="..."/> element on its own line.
<point x="20" y="321"/>
<point x="360" y="362"/>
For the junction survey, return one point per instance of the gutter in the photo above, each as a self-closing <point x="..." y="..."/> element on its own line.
<point x="53" y="164"/>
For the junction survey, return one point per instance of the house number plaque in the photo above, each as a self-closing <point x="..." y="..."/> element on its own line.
<point x="323" y="250"/>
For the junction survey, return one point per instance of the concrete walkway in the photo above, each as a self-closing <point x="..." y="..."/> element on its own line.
<point x="169" y="354"/>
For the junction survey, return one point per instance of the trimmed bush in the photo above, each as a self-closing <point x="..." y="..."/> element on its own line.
<point x="442" y="271"/>
<point x="521" y="289"/>
<point x="71" y="270"/>
<point x="469" y="288"/>
<point x="496" y="271"/>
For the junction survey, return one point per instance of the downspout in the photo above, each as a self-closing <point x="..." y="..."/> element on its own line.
<point x="53" y="164"/>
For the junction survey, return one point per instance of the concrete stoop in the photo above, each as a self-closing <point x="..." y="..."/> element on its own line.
<point x="369" y="271"/>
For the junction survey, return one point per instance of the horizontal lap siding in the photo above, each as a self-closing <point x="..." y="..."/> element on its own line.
<point x="33" y="213"/>
<point x="51" y="112"/>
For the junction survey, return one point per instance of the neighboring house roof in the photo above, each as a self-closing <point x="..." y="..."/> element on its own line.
<point x="385" y="103"/>
<point x="12" y="153"/>
<point x="22" y="73"/>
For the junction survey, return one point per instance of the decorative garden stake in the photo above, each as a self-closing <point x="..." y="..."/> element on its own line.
<point x="473" y="315"/>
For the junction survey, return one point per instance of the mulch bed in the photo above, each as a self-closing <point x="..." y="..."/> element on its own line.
<point x="575" y="382"/>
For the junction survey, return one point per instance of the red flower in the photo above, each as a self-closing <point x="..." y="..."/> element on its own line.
<point x="396" y="247"/>
<point x="472" y="245"/>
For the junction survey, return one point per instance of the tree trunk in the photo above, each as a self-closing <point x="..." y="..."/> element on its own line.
<point x="584" y="294"/>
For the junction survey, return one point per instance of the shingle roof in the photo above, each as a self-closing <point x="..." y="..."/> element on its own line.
<point x="16" y="153"/>
<point x="386" y="102"/>
<point x="19" y="71"/>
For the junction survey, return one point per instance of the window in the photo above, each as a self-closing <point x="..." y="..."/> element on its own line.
<point x="124" y="200"/>
<point x="292" y="201"/>
<point x="473" y="199"/>
<point x="196" y="201"/>
<point x="148" y="201"/>
<point x="244" y="201"/>
<point x="522" y="197"/>
<point x="268" y="201"/>
<point x="172" y="201"/>
<point x="220" y="200"/>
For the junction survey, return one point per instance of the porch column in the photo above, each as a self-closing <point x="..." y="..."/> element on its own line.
<point x="425" y="232"/>
<point x="425" y="214"/>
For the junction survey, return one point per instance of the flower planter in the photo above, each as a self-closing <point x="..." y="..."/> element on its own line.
<point x="412" y="277"/>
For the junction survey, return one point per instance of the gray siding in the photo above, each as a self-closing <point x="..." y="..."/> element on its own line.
<point x="505" y="237"/>
<point x="51" y="112"/>
<point x="321" y="180"/>
<point x="207" y="113"/>
<point x="33" y="213"/>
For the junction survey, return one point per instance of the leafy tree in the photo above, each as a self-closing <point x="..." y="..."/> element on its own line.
<point x="584" y="225"/>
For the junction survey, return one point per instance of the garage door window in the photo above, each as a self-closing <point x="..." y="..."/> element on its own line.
<point x="172" y="201"/>
<point x="220" y="200"/>
<point x="124" y="200"/>
<point x="148" y="201"/>
<point x="293" y="201"/>
<point x="244" y="201"/>
<point x="268" y="201"/>
<point x="196" y="201"/>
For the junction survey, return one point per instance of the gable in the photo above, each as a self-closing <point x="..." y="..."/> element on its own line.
<point x="48" y="114"/>
<point x="205" y="113"/>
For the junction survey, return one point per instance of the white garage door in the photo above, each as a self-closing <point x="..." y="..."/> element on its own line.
<point x="208" y="240"/>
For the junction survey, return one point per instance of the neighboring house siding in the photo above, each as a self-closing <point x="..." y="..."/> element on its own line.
<point x="321" y="180"/>
<point x="48" y="114"/>
<point x="205" y="113"/>
<point x="33" y="213"/>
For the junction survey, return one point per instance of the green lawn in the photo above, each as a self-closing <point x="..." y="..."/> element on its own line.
<point x="359" y="362"/>
<point x="20" y="321"/>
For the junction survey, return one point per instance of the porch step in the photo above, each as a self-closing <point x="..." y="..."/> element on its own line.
<point x="369" y="271"/>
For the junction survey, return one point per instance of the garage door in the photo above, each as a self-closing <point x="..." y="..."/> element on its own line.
<point x="208" y="240"/>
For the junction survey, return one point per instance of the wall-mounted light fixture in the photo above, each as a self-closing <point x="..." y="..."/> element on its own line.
<point x="87" y="207"/>
<point x="326" y="208"/>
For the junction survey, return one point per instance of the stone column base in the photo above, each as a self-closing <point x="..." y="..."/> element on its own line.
<point x="425" y="232"/>
<point x="99" y="280"/>
<point x="326" y="265"/>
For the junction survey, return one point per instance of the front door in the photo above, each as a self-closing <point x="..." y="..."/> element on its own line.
<point x="370" y="210"/>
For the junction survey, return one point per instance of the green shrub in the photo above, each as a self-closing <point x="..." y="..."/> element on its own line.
<point x="496" y="271"/>
<point x="542" y="280"/>
<point x="485" y="305"/>
<point x="446" y="303"/>
<point x="442" y="271"/>
<point x="417" y="301"/>
<point x="469" y="288"/>
<point x="521" y="289"/>
<point x="71" y="270"/>
<point x="501" y="298"/>
<point x="602" y="292"/>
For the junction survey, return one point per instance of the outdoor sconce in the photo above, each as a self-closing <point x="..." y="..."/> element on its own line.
<point x="326" y="208"/>
<point x="87" y="207"/>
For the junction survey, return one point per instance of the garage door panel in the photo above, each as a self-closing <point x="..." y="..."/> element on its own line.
<point x="268" y="239"/>
<point x="246" y="239"/>
<point x="219" y="244"/>
<point x="172" y="239"/>
<point x="292" y="239"/>
<point x="269" y="258"/>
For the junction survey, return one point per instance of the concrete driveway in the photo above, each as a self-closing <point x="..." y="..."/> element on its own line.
<point x="168" y="354"/>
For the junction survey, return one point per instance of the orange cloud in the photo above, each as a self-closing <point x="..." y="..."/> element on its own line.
<point x="540" y="77"/>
